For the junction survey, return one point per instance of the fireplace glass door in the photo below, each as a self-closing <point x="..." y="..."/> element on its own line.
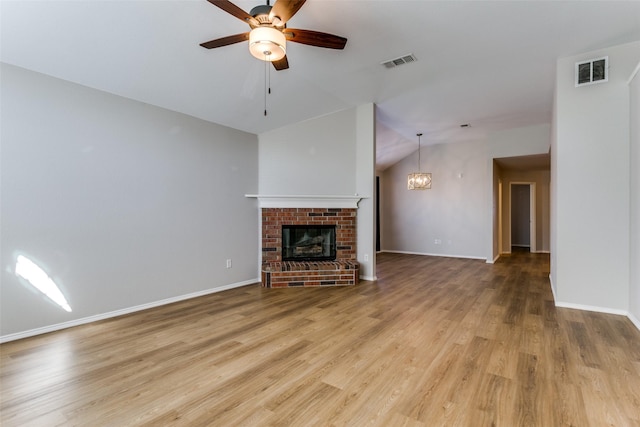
<point x="308" y="242"/>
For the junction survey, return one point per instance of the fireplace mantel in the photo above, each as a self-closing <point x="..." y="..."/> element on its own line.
<point x="301" y="201"/>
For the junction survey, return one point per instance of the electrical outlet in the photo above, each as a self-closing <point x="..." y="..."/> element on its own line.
<point x="229" y="263"/>
<point x="366" y="257"/>
<point x="437" y="241"/>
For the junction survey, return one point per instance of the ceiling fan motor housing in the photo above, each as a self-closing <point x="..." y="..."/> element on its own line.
<point x="261" y="14"/>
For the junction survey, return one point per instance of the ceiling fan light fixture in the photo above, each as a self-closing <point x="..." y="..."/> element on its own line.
<point x="267" y="44"/>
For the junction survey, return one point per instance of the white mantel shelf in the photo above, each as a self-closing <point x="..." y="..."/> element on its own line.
<point x="324" y="201"/>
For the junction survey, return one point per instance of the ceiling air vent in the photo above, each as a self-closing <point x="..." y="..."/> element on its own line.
<point x="592" y="71"/>
<point x="392" y="63"/>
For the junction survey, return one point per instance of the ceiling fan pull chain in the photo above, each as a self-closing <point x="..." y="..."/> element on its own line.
<point x="265" y="87"/>
<point x="269" y="73"/>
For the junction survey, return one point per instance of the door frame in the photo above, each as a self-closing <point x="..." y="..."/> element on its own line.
<point x="532" y="213"/>
<point x="500" y="220"/>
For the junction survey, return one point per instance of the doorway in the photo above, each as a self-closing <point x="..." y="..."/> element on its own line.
<point x="522" y="216"/>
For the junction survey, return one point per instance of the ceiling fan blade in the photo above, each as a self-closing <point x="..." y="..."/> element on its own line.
<point x="234" y="10"/>
<point x="315" y="38"/>
<point x="224" y="41"/>
<point x="285" y="9"/>
<point x="281" y="64"/>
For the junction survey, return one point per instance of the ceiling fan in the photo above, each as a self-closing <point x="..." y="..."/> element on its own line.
<point x="269" y="32"/>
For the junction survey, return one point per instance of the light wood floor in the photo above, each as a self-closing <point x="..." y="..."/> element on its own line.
<point x="435" y="342"/>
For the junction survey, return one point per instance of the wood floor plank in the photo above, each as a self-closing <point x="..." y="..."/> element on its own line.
<point x="433" y="342"/>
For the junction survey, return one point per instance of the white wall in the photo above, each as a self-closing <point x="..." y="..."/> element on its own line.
<point x="122" y="203"/>
<point x="634" y="234"/>
<point x="366" y="185"/>
<point x="553" y="195"/>
<point x="590" y="266"/>
<point x="328" y="155"/>
<point x="518" y="142"/>
<point x="313" y="157"/>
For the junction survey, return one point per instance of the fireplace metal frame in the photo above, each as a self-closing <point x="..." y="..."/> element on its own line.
<point x="333" y="248"/>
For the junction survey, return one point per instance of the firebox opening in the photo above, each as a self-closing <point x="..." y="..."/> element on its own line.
<point x="308" y="242"/>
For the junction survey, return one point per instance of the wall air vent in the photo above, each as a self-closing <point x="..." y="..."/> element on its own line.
<point x="406" y="59"/>
<point x="592" y="71"/>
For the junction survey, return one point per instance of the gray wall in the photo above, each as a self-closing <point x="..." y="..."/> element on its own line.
<point x="461" y="209"/>
<point x="452" y="212"/>
<point x="123" y="204"/>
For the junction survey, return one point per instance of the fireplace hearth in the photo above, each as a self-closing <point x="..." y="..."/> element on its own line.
<point x="319" y="250"/>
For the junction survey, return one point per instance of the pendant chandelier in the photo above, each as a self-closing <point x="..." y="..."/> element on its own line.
<point x="419" y="180"/>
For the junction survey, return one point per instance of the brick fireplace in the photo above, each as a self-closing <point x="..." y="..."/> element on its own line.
<point x="342" y="271"/>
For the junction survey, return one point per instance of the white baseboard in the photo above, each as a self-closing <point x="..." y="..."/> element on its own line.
<point x="553" y="289"/>
<point x="116" y="313"/>
<point x="634" y="320"/>
<point x="369" y="278"/>
<point x="593" y="308"/>
<point x="496" y="258"/>
<point x="533" y="252"/>
<point x="439" y="255"/>
<point x="557" y="303"/>
<point x="596" y="309"/>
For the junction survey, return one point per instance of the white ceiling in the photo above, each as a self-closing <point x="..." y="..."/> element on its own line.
<point x="489" y="64"/>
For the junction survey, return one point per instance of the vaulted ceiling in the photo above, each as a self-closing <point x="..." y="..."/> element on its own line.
<point x="487" y="64"/>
